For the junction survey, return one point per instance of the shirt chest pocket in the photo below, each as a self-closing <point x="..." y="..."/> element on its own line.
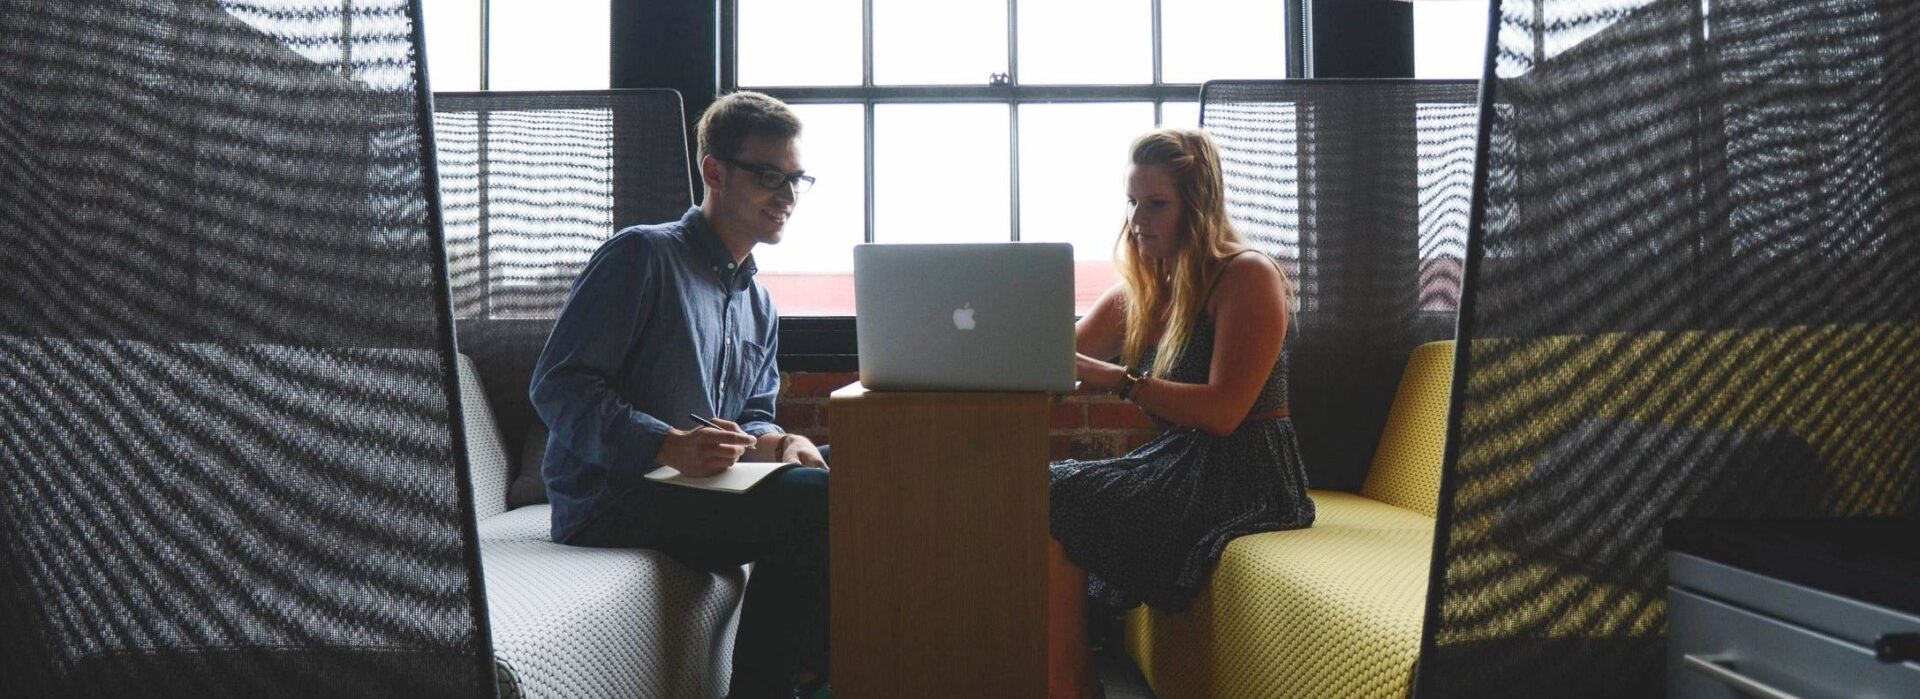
<point x="752" y="360"/>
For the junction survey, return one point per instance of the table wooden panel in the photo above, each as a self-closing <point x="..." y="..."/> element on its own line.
<point x="939" y="530"/>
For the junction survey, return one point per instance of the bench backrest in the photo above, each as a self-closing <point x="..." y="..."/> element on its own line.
<point x="1407" y="464"/>
<point x="533" y="183"/>
<point x="1361" y="189"/>
<point x="489" y="468"/>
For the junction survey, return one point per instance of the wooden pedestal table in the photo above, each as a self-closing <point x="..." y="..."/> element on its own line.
<point x="939" y="532"/>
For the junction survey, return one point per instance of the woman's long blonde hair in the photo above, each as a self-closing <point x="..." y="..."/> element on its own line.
<point x="1176" y="288"/>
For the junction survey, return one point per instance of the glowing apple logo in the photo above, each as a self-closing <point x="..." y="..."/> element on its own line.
<point x="963" y="317"/>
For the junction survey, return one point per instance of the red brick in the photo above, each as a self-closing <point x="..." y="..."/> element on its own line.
<point x="1087" y="392"/>
<point x="794" y="415"/>
<point x="820" y="415"/>
<point x="1082" y="446"/>
<point x="815" y="385"/>
<point x="1117" y="415"/>
<point x="1066" y="416"/>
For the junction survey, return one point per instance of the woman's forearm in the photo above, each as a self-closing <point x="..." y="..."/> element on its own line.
<point x="1201" y="406"/>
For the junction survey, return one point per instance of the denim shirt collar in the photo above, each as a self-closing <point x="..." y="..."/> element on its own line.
<point x="703" y="238"/>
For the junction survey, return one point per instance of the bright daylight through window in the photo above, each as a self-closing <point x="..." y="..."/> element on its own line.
<point x="956" y="157"/>
<point x="530" y="44"/>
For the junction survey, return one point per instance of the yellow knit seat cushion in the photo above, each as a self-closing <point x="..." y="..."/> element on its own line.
<point x="1330" y="611"/>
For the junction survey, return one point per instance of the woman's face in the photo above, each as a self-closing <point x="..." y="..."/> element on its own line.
<point x="1153" y="218"/>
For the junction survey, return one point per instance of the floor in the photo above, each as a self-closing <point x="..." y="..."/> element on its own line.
<point x="1119" y="677"/>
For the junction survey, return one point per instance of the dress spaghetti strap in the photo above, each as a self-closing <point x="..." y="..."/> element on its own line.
<point x="1223" y="271"/>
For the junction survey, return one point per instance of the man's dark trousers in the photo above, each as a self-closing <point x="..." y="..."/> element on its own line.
<point x="780" y="526"/>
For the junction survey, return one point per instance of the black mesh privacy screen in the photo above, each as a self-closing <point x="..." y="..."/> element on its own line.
<point x="1361" y="188"/>
<point x="1693" y="288"/>
<point x="533" y="183"/>
<point x="230" y="463"/>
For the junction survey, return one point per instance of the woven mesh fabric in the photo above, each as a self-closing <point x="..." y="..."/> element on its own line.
<point x="534" y="182"/>
<point x="1693" y="289"/>
<point x="577" y="622"/>
<point x="230" y="463"/>
<point x="486" y="456"/>
<point x="529" y="523"/>
<point x="1331" y="611"/>
<point x="581" y="622"/>
<point x="1406" y="465"/>
<point x="1361" y="188"/>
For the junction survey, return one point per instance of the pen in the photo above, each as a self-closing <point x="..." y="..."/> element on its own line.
<point x="704" y="421"/>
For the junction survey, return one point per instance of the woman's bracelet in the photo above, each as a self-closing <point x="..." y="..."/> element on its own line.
<point x="1128" y="382"/>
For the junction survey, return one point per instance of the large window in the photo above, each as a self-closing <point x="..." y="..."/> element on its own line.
<point x="516" y="44"/>
<point x="979" y="120"/>
<point x="1449" y="39"/>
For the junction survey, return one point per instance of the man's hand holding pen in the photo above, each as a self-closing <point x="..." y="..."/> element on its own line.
<point x="706" y="450"/>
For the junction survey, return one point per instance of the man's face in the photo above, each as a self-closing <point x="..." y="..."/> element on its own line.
<point x="753" y="209"/>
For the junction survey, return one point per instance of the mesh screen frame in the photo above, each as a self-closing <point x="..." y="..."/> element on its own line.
<point x="228" y="306"/>
<point x="1638" y="296"/>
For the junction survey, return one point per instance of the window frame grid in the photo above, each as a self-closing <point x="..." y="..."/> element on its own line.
<point x="1013" y="94"/>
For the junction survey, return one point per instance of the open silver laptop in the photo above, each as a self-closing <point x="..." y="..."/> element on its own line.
<point x="965" y="316"/>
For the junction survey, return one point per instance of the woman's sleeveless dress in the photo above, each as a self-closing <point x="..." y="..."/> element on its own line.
<point x="1149" y="526"/>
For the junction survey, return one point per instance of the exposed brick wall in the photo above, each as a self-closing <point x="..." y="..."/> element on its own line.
<point x="803" y="402"/>
<point x="1080" y="425"/>
<point x="1096" y="425"/>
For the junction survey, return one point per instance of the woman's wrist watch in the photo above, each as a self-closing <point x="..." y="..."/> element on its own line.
<point x="1129" y="380"/>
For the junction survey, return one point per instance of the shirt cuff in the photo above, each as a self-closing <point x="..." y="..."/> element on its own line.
<point x="648" y="434"/>
<point x="761" y="429"/>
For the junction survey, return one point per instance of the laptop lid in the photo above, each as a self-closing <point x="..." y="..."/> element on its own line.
<point x="964" y="316"/>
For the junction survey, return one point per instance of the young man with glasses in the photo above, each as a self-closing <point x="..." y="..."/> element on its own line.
<point x="667" y="326"/>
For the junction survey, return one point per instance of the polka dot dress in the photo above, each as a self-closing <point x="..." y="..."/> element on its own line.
<point x="1149" y="526"/>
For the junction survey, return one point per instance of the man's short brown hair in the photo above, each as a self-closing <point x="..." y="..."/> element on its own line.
<point x="733" y="118"/>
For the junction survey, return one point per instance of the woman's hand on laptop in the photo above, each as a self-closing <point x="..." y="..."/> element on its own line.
<point x="705" y="451"/>
<point x="1096" y="374"/>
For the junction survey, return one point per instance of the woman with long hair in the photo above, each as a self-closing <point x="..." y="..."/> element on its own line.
<point x="1198" y="326"/>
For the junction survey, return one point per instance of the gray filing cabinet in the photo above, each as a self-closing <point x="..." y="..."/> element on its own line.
<point x="1793" y="608"/>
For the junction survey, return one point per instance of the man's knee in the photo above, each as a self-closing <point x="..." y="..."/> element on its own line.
<point x="802" y="491"/>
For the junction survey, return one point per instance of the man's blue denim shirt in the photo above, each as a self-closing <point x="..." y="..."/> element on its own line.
<point x="661" y="324"/>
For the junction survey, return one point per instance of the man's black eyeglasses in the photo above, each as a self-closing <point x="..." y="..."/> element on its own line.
<point x="772" y="177"/>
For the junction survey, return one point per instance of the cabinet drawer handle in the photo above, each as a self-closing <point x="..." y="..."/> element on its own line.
<point x="1897" y="648"/>
<point x="1732" y="678"/>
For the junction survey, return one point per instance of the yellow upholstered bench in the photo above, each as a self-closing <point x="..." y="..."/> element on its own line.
<point x="1330" y="611"/>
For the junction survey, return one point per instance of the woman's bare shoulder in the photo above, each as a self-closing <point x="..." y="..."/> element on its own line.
<point x="1250" y="273"/>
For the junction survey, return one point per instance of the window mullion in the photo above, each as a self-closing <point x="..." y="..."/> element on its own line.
<point x="729" y="44"/>
<point x="866" y="44"/>
<point x="1013" y="165"/>
<point x="1154" y="24"/>
<point x="486" y="50"/>
<point x="868" y="127"/>
<point x="1013" y="119"/>
<point x="1013" y="42"/>
<point x="866" y="85"/>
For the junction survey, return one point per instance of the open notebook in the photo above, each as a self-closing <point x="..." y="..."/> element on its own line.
<point x="740" y="478"/>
